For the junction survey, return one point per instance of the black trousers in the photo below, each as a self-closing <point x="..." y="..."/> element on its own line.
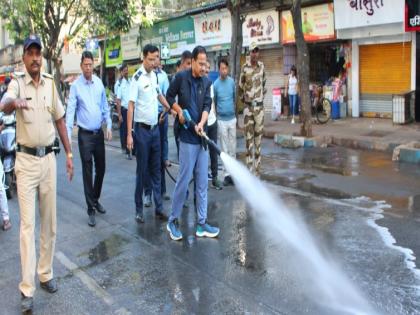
<point x="92" y="150"/>
<point x="212" y="133"/>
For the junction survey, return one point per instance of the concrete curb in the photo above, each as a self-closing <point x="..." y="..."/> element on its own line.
<point x="410" y="155"/>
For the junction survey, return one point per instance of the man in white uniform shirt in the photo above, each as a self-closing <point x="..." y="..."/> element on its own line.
<point x="144" y="95"/>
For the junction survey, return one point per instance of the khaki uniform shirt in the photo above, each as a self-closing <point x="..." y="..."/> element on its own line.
<point x="35" y="125"/>
<point x="252" y="83"/>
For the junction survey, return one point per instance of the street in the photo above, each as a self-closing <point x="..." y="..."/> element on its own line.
<point x="356" y="203"/>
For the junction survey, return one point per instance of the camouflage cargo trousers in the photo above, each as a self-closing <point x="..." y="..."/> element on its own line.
<point x="254" y="126"/>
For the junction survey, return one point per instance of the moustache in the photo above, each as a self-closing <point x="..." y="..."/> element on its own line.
<point x="35" y="64"/>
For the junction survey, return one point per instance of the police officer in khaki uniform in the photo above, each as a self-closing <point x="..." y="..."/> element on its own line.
<point x="34" y="97"/>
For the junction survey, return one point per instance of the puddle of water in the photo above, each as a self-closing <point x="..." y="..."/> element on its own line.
<point x="105" y="249"/>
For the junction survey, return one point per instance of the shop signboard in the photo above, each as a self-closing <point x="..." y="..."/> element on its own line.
<point x="261" y="27"/>
<point x="317" y="24"/>
<point x="362" y="13"/>
<point x="213" y="30"/>
<point x="130" y="45"/>
<point x="412" y="15"/>
<point x="177" y="33"/>
<point x="113" y="55"/>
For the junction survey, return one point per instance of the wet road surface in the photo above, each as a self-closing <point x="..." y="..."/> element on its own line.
<point x="120" y="267"/>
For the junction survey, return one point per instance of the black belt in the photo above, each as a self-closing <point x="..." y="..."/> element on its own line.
<point x="38" y="151"/>
<point x="256" y="104"/>
<point x="145" y="126"/>
<point x="92" y="132"/>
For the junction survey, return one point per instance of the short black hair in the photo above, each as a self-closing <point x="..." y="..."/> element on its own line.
<point x="186" y="55"/>
<point x="178" y="63"/>
<point x="123" y="66"/>
<point x="149" y="49"/>
<point x="86" y="55"/>
<point x="223" y="60"/>
<point x="198" y="50"/>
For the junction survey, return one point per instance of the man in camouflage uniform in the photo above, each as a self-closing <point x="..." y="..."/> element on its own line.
<point x="252" y="90"/>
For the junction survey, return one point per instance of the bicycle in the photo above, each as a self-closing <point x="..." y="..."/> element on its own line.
<point x="320" y="106"/>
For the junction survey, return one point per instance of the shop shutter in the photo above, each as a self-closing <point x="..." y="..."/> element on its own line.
<point x="385" y="69"/>
<point x="273" y="62"/>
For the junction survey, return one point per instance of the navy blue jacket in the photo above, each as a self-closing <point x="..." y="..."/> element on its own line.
<point x="181" y="86"/>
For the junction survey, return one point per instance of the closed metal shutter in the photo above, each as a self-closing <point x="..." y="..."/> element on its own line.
<point x="385" y="69"/>
<point x="273" y="62"/>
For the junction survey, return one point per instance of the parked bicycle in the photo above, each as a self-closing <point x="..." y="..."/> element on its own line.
<point x="321" y="106"/>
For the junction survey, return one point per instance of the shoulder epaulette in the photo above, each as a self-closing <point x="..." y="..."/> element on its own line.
<point x="137" y="75"/>
<point x="18" y="74"/>
<point x="47" y="75"/>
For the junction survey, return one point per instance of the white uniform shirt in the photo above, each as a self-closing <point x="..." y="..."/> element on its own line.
<point x="212" y="115"/>
<point x="144" y="91"/>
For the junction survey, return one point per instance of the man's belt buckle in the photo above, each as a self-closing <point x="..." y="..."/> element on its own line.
<point x="40" y="151"/>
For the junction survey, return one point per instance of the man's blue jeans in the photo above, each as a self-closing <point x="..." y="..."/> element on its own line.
<point x="193" y="159"/>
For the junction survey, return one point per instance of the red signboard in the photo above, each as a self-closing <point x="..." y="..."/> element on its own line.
<point x="412" y="15"/>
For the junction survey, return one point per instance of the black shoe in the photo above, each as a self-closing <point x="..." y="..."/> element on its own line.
<point x="161" y="216"/>
<point x="27" y="304"/>
<point x="98" y="207"/>
<point x="50" y="286"/>
<point x="92" y="220"/>
<point x="139" y="218"/>
<point x="147" y="201"/>
<point x="129" y="157"/>
<point x="166" y="197"/>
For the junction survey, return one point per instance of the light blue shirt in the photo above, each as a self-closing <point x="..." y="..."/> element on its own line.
<point x="124" y="92"/>
<point x="88" y="100"/>
<point x="224" y="98"/>
<point x="144" y="92"/>
<point x="163" y="81"/>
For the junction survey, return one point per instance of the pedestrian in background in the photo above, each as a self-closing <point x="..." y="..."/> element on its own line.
<point x="224" y="99"/>
<point x="34" y="97"/>
<point x="252" y="87"/>
<point x="87" y="98"/>
<point x="122" y="107"/>
<point x="292" y="87"/>
<point x="192" y="88"/>
<point x="144" y="96"/>
<point x="212" y="134"/>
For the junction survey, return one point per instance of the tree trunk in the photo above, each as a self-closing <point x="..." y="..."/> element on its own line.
<point x="303" y="71"/>
<point x="57" y="79"/>
<point x="236" y="44"/>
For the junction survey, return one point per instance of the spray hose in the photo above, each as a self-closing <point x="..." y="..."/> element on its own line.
<point x="202" y="134"/>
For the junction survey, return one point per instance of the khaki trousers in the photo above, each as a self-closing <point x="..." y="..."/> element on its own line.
<point x="36" y="175"/>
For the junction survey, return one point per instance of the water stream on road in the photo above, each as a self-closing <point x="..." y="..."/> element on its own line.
<point x="331" y="287"/>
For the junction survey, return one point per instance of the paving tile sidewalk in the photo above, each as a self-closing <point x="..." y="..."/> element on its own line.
<point x="356" y="133"/>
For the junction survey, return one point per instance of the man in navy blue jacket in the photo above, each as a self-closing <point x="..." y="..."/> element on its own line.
<point x="193" y="90"/>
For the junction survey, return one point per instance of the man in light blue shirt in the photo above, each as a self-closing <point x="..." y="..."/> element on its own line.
<point x="122" y="106"/>
<point x="224" y="99"/>
<point x="87" y="98"/>
<point x="144" y="96"/>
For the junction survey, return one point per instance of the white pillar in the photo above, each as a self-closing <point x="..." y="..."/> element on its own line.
<point x="355" y="96"/>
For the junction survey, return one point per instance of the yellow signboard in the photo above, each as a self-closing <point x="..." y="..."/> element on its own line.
<point x="317" y="24"/>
